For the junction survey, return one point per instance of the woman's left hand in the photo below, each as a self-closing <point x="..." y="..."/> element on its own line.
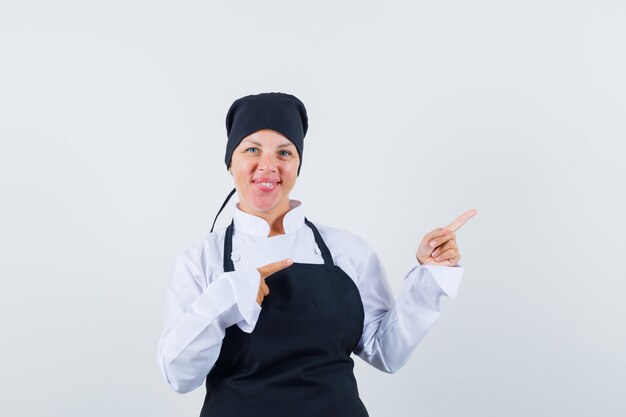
<point x="439" y="247"/>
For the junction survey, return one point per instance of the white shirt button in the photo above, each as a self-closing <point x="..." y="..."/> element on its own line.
<point x="235" y="257"/>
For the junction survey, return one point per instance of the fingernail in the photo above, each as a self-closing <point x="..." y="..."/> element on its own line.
<point x="434" y="254"/>
<point x="289" y="261"/>
<point x="437" y="259"/>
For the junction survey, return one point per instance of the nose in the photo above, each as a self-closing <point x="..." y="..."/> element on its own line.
<point x="267" y="163"/>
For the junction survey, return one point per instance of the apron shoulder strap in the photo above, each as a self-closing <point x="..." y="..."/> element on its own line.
<point x="222" y="208"/>
<point x="328" y="259"/>
<point x="228" y="248"/>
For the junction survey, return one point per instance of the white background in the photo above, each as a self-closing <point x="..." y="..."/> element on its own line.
<point x="111" y="161"/>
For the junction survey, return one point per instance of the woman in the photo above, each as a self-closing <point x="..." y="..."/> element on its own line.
<point x="269" y="309"/>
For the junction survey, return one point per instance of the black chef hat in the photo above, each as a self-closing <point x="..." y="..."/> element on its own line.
<point x="281" y="112"/>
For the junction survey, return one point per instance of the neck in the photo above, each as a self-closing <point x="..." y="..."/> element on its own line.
<point x="276" y="225"/>
<point x="274" y="217"/>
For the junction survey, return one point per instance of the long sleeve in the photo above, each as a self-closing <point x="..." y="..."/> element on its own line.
<point x="197" y="316"/>
<point x="393" y="329"/>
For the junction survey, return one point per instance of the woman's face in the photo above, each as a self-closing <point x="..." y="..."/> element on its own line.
<point x="265" y="168"/>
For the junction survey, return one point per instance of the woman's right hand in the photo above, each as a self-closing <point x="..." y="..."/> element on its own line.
<point x="265" y="272"/>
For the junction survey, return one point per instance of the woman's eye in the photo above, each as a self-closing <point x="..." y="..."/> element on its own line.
<point x="284" y="153"/>
<point x="252" y="150"/>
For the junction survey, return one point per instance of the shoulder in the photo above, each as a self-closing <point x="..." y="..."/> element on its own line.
<point x="204" y="258"/>
<point x="343" y="243"/>
<point x="353" y="254"/>
<point x="335" y="234"/>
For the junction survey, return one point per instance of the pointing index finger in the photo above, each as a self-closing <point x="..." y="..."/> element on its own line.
<point x="462" y="219"/>
<point x="269" y="269"/>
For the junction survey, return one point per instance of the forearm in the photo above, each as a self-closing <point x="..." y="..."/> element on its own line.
<point x="393" y="334"/>
<point x="190" y="346"/>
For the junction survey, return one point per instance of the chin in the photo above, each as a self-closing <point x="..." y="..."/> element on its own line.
<point x="266" y="205"/>
<point x="263" y="208"/>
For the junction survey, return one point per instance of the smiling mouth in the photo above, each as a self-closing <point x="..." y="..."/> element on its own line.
<point x="265" y="185"/>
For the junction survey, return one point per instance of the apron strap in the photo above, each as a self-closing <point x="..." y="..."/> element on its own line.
<point x="228" y="248"/>
<point x="328" y="259"/>
<point x="222" y="208"/>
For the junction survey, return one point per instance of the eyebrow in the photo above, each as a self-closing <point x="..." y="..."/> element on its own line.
<point x="284" y="145"/>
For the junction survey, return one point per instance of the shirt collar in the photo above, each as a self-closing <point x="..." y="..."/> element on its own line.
<point x="254" y="225"/>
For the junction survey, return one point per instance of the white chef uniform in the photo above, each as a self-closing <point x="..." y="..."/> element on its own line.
<point x="202" y="300"/>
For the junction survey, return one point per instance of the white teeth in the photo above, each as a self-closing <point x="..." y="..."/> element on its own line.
<point x="267" y="184"/>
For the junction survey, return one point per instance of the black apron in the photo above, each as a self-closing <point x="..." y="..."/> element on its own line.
<point x="296" y="362"/>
